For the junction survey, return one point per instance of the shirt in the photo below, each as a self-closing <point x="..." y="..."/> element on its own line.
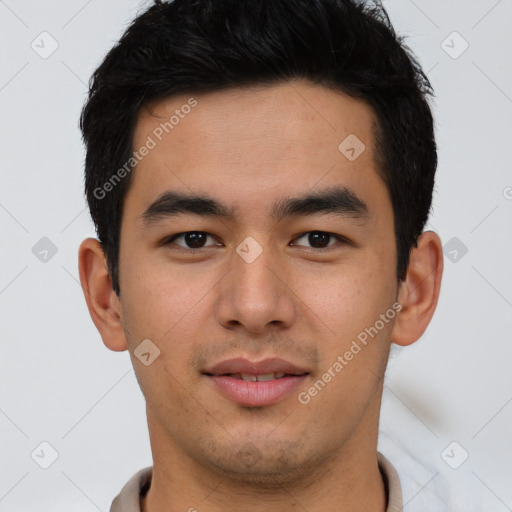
<point x="128" y="500"/>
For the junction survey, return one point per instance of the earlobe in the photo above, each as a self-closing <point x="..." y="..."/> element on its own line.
<point x="104" y="306"/>
<point x="419" y="293"/>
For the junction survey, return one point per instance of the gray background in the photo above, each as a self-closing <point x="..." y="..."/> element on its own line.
<point x="62" y="386"/>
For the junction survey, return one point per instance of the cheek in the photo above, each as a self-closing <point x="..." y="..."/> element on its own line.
<point x="345" y="320"/>
<point x="162" y="308"/>
<point x="345" y="300"/>
<point x="346" y="309"/>
<point x="169" y="305"/>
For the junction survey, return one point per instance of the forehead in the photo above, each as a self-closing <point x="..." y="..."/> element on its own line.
<point x="242" y="141"/>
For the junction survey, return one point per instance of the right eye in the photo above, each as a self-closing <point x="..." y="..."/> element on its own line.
<point x="192" y="240"/>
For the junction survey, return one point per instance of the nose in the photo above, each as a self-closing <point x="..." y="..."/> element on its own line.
<point x="255" y="294"/>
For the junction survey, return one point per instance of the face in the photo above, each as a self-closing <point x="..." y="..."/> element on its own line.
<point x="257" y="272"/>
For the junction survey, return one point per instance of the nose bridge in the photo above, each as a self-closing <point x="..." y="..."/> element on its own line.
<point x="254" y="279"/>
<point x="254" y="293"/>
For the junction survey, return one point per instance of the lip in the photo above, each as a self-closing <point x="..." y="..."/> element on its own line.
<point x="256" y="394"/>
<point x="241" y="365"/>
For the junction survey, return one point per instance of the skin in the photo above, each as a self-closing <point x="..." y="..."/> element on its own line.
<point x="293" y="302"/>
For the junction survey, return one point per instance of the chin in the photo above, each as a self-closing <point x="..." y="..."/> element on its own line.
<point x="274" y="467"/>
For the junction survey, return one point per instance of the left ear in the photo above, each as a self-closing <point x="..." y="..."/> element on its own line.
<point x="419" y="293"/>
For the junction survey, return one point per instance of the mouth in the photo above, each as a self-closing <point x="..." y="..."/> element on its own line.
<point x="256" y="384"/>
<point x="257" y="378"/>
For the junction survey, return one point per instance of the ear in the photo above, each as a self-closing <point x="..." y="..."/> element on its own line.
<point x="104" y="306"/>
<point x="419" y="293"/>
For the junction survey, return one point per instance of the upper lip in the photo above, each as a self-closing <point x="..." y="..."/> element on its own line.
<point x="241" y="365"/>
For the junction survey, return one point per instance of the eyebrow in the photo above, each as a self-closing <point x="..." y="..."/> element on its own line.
<point x="341" y="201"/>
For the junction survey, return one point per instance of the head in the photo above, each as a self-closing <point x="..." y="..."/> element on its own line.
<point x="205" y="46"/>
<point x="245" y="113"/>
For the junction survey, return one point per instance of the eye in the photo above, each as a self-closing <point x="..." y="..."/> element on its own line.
<point x="320" y="239"/>
<point x="192" y="240"/>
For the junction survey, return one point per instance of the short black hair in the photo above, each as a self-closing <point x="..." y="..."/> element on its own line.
<point x="196" y="46"/>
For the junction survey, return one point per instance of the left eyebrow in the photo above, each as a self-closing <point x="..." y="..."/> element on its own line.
<point x="341" y="201"/>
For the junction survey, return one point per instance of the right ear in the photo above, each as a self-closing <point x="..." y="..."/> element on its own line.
<point x="103" y="303"/>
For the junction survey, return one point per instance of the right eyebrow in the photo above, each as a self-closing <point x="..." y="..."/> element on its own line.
<point x="170" y="204"/>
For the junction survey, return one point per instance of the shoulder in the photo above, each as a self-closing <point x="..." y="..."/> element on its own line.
<point x="128" y="498"/>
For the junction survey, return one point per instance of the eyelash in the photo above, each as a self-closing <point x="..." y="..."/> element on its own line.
<point x="174" y="237"/>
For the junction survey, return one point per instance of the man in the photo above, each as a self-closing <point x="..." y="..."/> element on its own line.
<point x="260" y="174"/>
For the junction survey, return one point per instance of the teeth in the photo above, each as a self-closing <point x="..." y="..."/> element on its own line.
<point x="259" y="378"/>
<point x="247" y="376"/>
<point x="266" y="376"/>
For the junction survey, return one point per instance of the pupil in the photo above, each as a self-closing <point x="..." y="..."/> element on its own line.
<point x="194" y="239"/>
<point x="319" y="238"/>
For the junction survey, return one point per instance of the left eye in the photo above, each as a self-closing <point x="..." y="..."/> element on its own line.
<point x="319" y="239"/>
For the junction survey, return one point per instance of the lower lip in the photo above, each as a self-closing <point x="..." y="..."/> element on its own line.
<point x="256" y="394"/>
